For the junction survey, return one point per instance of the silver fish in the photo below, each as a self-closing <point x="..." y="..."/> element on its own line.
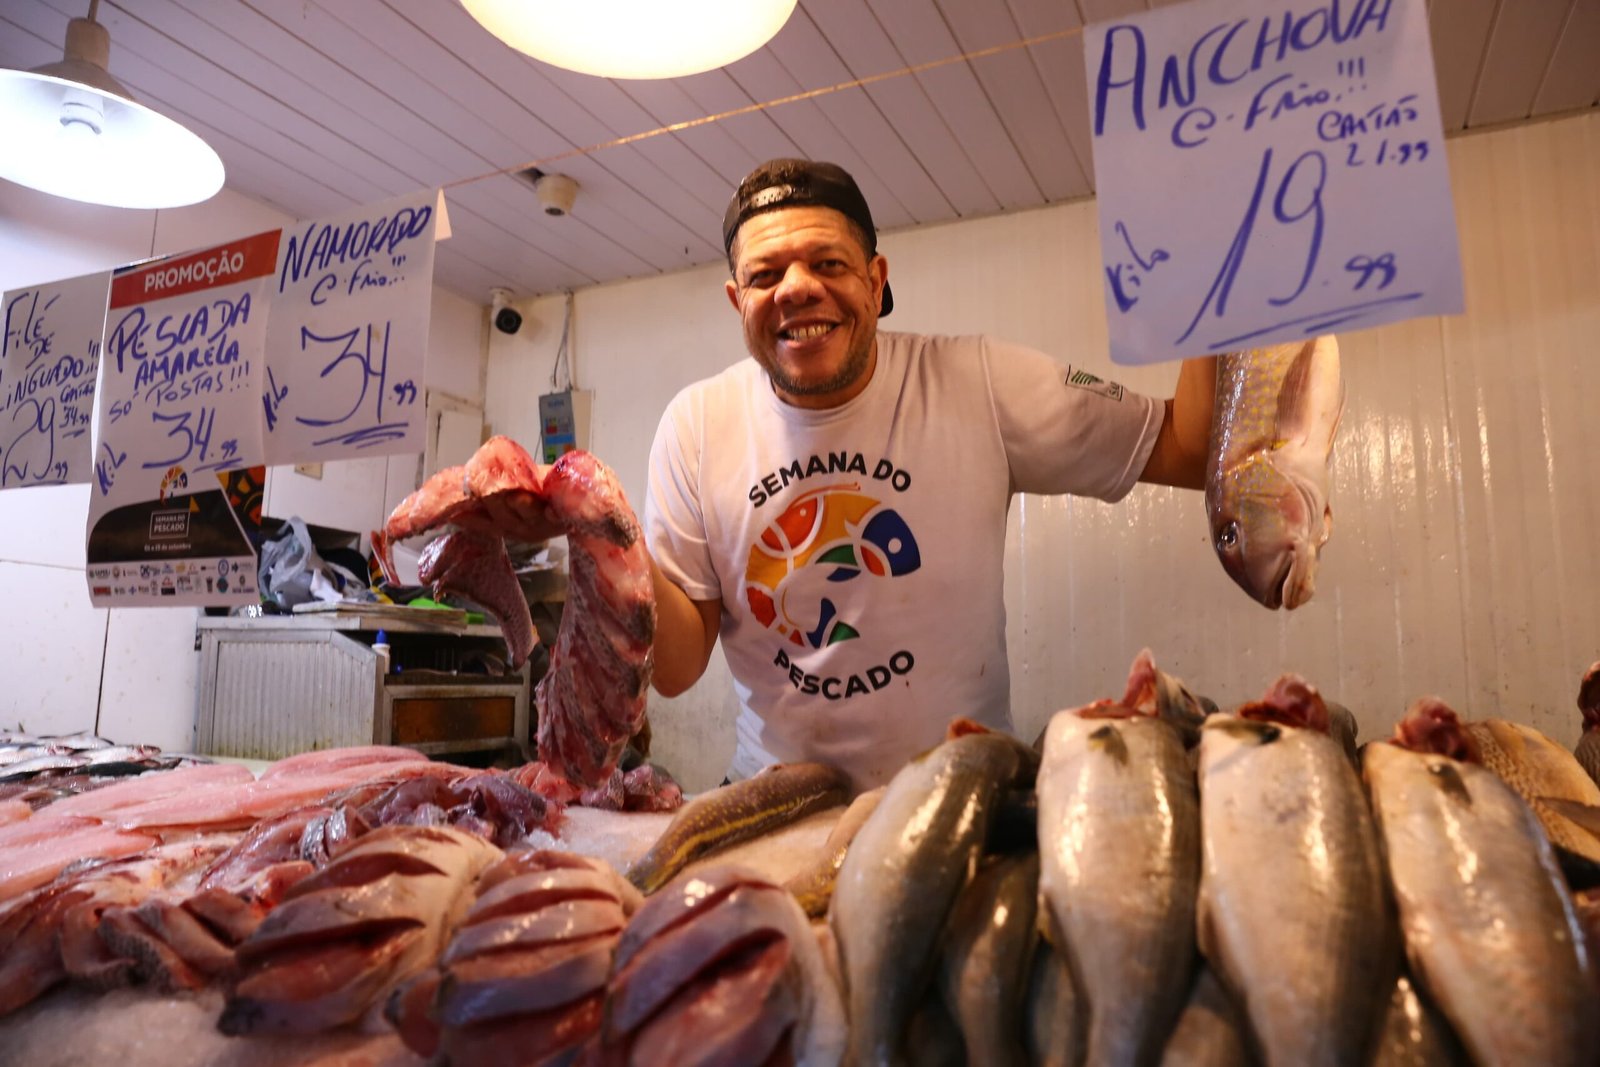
<point x="1489" y="928"/>
<point x="1210" y="1032"/>
<point x="1414" y="1033"/>
<point x="1292" y="911"/>
<point x="27" y="768"/>
<point x="1277" y="411"/>
<point x="901" y="876"/>
<point x="1118" y="809"/>
<point x="984" y="967"/>
<point x="1054" y="1030"/>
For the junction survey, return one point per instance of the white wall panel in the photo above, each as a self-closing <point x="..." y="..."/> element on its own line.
<point x="1466" y="492"/>
<point x="53" y="641"/>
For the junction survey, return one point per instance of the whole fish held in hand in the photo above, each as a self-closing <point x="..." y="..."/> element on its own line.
<point x="1277" y="411"/>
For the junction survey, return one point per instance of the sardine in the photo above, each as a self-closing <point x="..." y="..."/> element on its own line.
<point x="1210" y="1032"/>
<point x="1292" y="912"/>
<point x="901" y="876"/>
<point x="1117" y="810"/>
<point x="813" y="887"/>
<point x="1489" y="929"/>
<point x="28" y="768"/>
<point x="738" y="812"/>
<point x="984" y="966"/>
<point x="1588" y="750"/>
<point x="1277" y="411"/>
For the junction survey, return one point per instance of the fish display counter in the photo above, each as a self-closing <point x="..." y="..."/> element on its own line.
<point x="1157" y="879"/>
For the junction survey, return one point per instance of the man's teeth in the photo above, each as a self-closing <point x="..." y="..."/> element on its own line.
<point x="806" y="333"/>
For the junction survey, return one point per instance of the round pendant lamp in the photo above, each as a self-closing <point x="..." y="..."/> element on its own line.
<point x="71" y="129"/>
<point x="633" y="38"/>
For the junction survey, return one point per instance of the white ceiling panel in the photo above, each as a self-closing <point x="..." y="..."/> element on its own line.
<point x="316" y="105"/>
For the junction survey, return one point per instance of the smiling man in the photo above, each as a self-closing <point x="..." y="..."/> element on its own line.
<point x="834" y="509"/>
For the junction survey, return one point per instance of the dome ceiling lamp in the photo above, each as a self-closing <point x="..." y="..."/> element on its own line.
<point x="72" y="130"/>
<point x="633" y="38"/>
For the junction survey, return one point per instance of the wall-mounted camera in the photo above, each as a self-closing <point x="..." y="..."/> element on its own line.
<point x="507" y="319"/>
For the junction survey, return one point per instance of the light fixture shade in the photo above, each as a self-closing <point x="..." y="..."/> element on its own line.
<point x="72" y="130"/>
<point x="633" y="38"/>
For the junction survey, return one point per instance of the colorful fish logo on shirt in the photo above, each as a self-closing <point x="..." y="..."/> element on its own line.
<point x="834" y="534"/>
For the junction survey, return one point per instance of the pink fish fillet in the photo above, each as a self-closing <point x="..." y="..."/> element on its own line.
<point x="149" y="787"/>
<point x="332" y="759"/>
<point x="12" y="811"/>
<point x="26" y="866"/>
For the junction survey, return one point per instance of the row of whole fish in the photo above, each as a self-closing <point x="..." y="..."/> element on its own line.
<point x="25" y="757"/>
<point x="1214" y="888"/>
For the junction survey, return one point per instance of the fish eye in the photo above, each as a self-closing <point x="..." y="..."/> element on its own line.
<point x="1228" y="536"/>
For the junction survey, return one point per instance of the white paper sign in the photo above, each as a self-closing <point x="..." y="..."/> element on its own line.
<point x="48" y="367"/>
<point x="179" y="426"/>
<point x="349" y="333"/>
<point x="1268" y="171"/>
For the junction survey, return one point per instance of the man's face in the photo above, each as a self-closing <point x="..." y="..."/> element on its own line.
<point x="809" y="297"/>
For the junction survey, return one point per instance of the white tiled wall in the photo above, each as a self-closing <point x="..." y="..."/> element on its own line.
<point x="1465" y="559"/>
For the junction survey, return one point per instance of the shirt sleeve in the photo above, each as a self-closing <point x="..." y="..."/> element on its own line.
<point x="674" y="523"/>
<point x="1066" y="430"/>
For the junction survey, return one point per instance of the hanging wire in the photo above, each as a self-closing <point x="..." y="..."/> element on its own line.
<point x="562" y="359"/>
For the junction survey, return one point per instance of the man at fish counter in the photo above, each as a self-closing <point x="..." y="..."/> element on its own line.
<point x="834" y="508"/>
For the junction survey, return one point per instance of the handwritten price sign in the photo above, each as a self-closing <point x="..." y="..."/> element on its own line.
<point x="179" y="416"/>
<point x="48" y="365"/>
<point x="1267" y="172"/>
<point x="349" y="333"/>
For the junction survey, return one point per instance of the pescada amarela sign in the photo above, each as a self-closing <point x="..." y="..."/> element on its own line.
<point x="178" y="411"/>
<point x="1268" y="171"/>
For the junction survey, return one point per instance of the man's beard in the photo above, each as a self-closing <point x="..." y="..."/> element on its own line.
<point x="856" y="359"/>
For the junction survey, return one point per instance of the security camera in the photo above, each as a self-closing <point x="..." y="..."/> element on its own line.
<point x="556" y="192"/>
<point x="507" y="319"/>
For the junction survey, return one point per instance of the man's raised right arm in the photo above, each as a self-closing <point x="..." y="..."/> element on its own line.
<point x="686" y="631"/>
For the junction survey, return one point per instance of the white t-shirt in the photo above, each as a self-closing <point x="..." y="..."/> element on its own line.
<point x="859" y="551"/>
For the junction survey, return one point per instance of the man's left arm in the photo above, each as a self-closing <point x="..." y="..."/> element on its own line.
<point x="1179" y="455"/>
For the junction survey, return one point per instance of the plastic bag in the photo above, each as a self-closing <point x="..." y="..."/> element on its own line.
<point x="291" y="571"/>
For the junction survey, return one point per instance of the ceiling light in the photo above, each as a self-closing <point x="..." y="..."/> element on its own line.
<point x="71" y="129"/>
<point x="633" y="38"/>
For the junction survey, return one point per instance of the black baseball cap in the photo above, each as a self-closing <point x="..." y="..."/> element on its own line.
<point x="780" y="183"/>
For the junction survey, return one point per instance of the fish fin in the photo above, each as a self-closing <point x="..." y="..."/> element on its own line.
<point x="1293" y="409"/>
<point x="1585" y="816"/>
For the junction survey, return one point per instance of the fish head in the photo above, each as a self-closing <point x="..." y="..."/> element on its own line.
<point x="1430" y="725"/>
<point x="1589" y="698"/>
<point x="1268" y="526"/>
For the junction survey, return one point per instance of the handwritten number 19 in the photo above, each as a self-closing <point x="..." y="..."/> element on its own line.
<point x="1311" y="168"/>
